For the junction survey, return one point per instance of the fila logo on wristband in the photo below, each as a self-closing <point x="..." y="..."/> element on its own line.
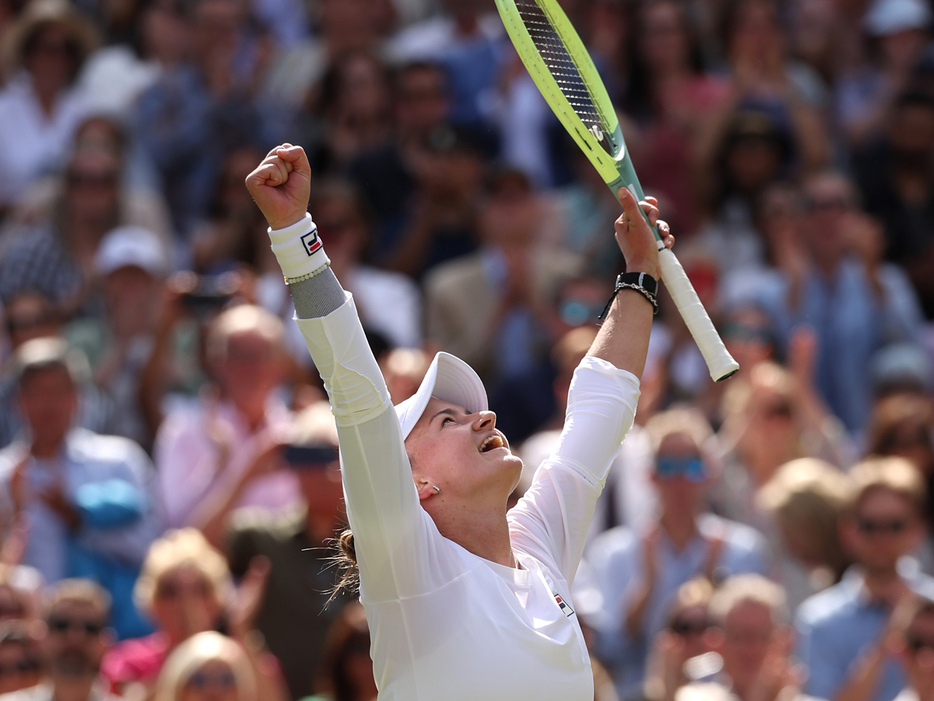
<point x="311" y="242"/>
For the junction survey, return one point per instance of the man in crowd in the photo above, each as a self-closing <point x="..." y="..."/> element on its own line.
<point x="74" y="642"/>
<point x="638" y="574"/>
<point x="297" y="609"/>
<point x="79" y="503"/>
<point x="842" y="631"/>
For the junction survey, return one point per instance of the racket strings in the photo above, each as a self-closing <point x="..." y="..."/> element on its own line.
<point x="563" y="68"/>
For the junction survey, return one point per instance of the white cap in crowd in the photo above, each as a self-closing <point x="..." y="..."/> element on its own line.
<point x="131" y="246"/>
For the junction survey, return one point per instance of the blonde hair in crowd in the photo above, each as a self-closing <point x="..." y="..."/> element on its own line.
<point x="193" y="654"/>
<point x="892" y="473"/>
<point x="183" y="547"/>
<point x="751" y="588"/>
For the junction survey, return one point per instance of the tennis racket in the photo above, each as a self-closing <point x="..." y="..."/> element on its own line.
<point x="565" y="74"/>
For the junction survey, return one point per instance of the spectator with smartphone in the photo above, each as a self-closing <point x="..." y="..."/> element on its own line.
<point x="225" y="452"/>
<point x="297" y="609"/>
<point x="842" y="631"/>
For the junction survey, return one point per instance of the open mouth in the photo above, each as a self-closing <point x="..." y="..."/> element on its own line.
<point x="492" y="443"/>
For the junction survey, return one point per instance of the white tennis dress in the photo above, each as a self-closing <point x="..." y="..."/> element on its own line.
<point x="447" y="625"/>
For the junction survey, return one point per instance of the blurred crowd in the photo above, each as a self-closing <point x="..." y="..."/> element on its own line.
<point x="169" y="467"/>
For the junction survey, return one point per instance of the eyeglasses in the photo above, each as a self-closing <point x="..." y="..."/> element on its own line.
<point x="916" y="644"/>
<point x="892" y="526"/>
<point x="577" y="313"/>
<point x="203" y="679"/>
<point x="690" y="467"/>
<point x="60" y="624"/>
<point x="24" y="666"/>
<point x="688" y="626"/>
<point x="746" y="332"/>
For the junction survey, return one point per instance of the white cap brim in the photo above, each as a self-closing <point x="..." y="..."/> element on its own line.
<point x="450" y="379"/>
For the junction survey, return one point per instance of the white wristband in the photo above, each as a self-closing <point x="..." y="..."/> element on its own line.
<point x="298" y="249"/>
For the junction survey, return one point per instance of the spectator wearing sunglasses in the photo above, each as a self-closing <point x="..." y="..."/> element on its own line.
<point x="20" y="667"/>
<point x="682" y="640"/>
<point x="749" y="631"/>
<point x="207" y="667"/>
<point x="917" y="653"/>
<point x="638" y="574"/>
<point x="850" y="621"/>
<point x="297" y="609"/>
<point x="76" y="636"/>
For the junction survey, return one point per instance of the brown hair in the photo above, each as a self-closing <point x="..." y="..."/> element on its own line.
<point x="893" y="416"/>
<point x="348" y="634"/>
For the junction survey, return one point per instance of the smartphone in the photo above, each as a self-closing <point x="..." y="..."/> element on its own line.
<point x="310" y="456"/>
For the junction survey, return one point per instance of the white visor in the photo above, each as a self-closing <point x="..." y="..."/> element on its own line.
<point x="450" y="379"/>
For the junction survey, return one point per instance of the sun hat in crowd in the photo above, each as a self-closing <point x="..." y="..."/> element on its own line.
<point x="37" y="15"/>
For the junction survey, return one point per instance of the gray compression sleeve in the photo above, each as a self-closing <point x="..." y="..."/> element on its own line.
<point x="317" y="296"/>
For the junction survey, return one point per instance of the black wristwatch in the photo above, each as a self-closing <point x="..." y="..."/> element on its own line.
<point x="643" y="283"/>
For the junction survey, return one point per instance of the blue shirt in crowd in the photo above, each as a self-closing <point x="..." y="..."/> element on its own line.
<point x="837" y="627"/>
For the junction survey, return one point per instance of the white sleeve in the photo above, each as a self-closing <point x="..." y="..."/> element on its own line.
<point x="552" y="519"/>
<point x="396" y="542"/>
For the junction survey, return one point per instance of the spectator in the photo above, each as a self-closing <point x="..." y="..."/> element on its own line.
<point x="298" y="608"/>
<point x="186" y="589"/>
<point x="628" y="497"/>
<point x="199" y="110"/>
<point x="346" y="672"/>
<point x="132" y="267"/>
<point x="348" y="112"/>
<point x="488" y="308"/>
<point x="804" y="502"/>
<point x="896" y="32"/>
<point x="638" y="574"/>
<point x="39" y="108"/>
<point x="83" y="501"/>
<point x="769" y="420"/>
<point x="31" y="315"/>
<point x="749" y="619"/>
<point x="20" y="587"/>
<point x="53" y="250"/>
<point x="389" y="303"/>
<point x="835" y="281"/>
<point x="207" y="666"/>
<point x="682" y="640"/>
<point x="20" y="667"/>
<point x="75" y="640"/>
<point x="897" y="182"/>
<point x="848" y="622"/>
<point x="918" y="654"/>
<point x="396" y="180"/>
<point x="670" y="97"/>
<point x="225" y="452"/>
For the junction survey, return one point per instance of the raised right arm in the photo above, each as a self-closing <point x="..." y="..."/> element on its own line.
<point x="391" y="531"/>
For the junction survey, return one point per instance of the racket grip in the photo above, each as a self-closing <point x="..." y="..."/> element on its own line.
<point x="720" y="363"/>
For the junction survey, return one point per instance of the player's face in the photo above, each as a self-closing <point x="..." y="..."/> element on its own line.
<point x="462" y="453"/>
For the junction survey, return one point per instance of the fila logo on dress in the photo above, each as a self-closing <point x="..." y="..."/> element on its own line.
<point x="564" y="606"/>
<point x="311" y="242"/>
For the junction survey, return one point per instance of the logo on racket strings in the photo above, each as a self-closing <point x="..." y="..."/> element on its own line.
<point x="311" y="242"/>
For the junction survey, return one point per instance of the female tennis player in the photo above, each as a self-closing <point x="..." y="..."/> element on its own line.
<point x="465" y="601"/>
